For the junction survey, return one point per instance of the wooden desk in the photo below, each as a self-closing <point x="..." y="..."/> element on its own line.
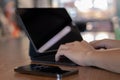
<point x="15" y="53"/>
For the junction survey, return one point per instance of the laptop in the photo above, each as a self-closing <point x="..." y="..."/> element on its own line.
<point x="47" y="29"/>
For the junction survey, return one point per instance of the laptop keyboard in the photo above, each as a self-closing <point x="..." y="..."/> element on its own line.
<point x="51" y="59"/>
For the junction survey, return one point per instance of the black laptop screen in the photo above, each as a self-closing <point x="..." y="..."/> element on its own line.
<point x="43" y="23"/>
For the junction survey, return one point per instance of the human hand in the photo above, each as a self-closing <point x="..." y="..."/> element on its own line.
<point x="76" y="51"/>
<point x="105" y="43"/>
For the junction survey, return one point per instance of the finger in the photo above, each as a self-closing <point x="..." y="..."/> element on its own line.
<point x="58" y="54"/>
<point x="69" y="44"/>
<point x="63" y="47"/>
<point x="57" y="57"/>
<point x="61" y="51"/>
<point x="95" y="44"/>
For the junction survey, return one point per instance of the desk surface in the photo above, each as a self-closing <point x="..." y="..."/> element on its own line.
<point x="14" y="52"/>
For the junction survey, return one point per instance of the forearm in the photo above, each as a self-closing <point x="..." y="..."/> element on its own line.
<point x="106" y="59"/>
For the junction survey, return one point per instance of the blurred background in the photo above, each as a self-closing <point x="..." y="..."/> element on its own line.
<point x="96" y="19"/>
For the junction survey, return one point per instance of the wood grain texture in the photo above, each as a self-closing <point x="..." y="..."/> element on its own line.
<point x="14" y="52"/>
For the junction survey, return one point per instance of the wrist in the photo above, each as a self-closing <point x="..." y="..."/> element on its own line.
<point x="89" y="58"/>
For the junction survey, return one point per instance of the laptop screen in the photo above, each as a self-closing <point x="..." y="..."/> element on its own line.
<point x="44" y="24"/>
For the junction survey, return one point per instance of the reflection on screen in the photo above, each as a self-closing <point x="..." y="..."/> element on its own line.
<point x="55" y="39"/>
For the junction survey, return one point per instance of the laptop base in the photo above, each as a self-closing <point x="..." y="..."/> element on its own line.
<point x="48" y="58"/>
